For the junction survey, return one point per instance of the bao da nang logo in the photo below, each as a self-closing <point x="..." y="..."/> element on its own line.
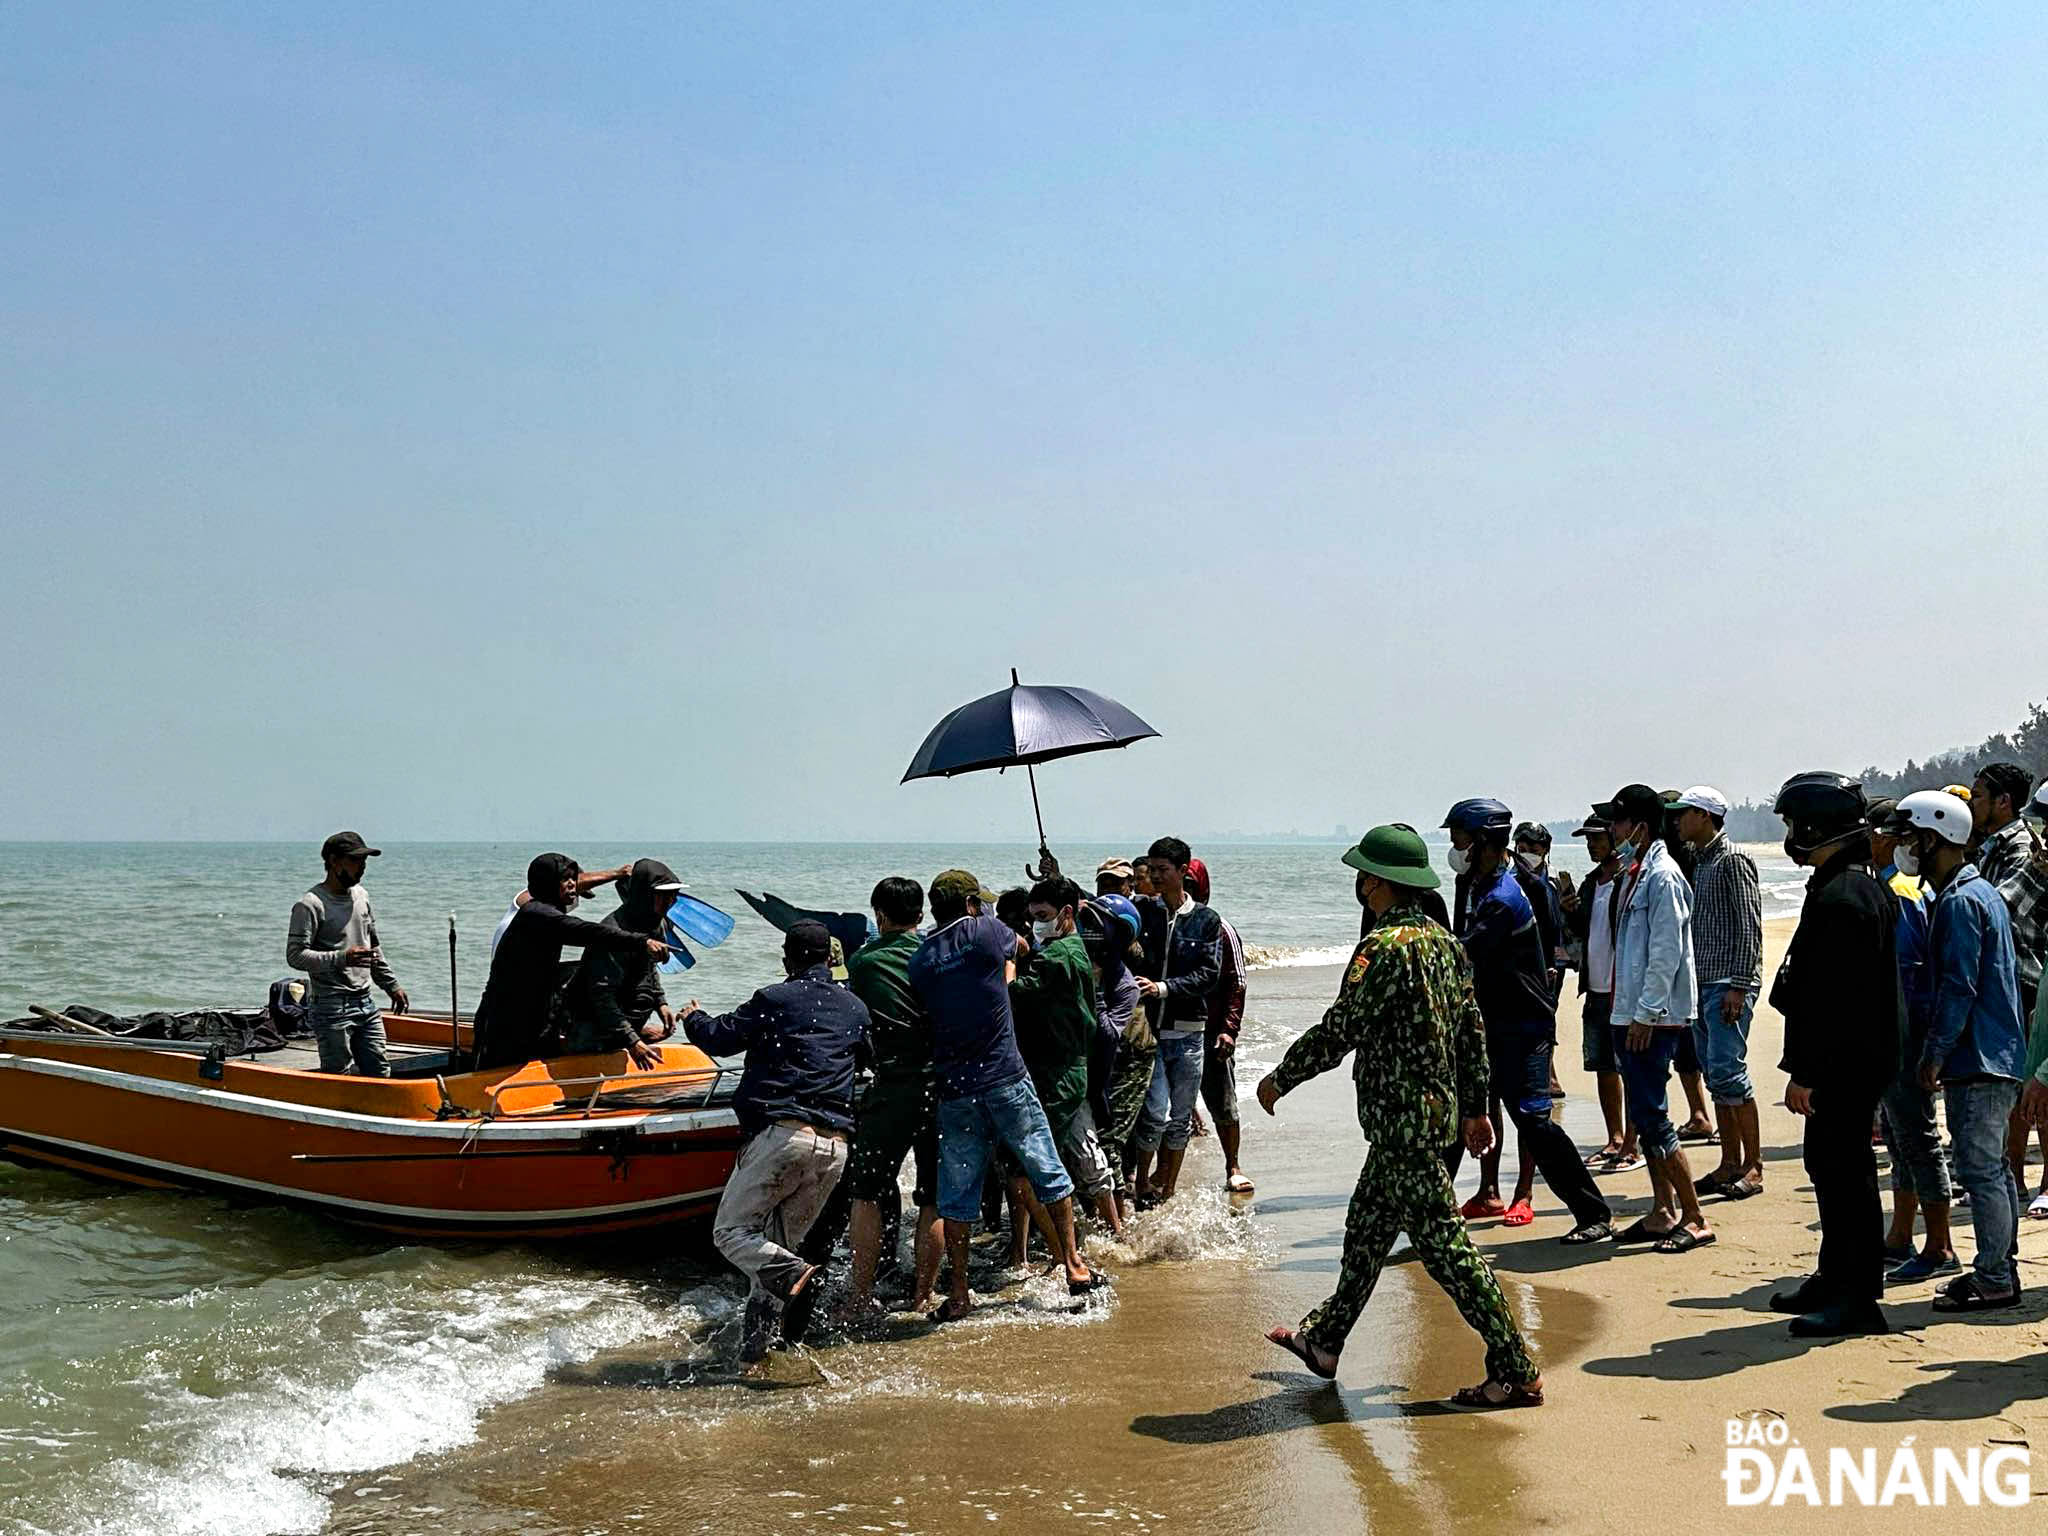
<point x="1766" y="1464"/>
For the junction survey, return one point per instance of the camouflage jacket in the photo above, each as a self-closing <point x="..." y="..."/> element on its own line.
<point x="1406" y="1008"/>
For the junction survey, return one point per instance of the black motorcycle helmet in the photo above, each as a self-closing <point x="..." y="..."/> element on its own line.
<point x="1820" y="808"/>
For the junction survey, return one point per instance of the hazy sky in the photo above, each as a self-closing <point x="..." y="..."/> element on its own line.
<point x="605" y="420"/>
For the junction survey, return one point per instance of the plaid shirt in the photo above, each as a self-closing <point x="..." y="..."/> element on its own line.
<point x="1727" y="917"/>
<point x="2026" y="897"/>
<point x="2003" y="854"/>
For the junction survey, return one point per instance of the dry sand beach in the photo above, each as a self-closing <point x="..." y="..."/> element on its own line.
<point x="1164" y="1409"/>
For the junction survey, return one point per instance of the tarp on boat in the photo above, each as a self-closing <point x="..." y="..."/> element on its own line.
<point x="240" y="1031"/>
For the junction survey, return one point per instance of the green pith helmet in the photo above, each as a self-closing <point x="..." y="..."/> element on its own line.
<point x="1397" y="854"/>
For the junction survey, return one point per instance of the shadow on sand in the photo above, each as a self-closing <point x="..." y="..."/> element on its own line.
<point x="1302" y="1402"/>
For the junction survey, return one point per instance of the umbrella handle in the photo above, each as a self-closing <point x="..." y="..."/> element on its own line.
<point x="1048" y="866"/>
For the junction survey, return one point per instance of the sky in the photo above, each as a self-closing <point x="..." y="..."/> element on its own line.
<point x="605" y="420"/>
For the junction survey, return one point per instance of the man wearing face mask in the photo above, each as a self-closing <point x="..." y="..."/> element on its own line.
<point x="1053" y="1000"/>
<point x="614" y="993"/>
<point x="1511" y="980"/>
<point x="1976" y="1043"/>
<point x="514" y="1016"/>
<point x="1839" y="991"/>
<point x="1655" y="1001"/>
<point x="1406" y="1010"/>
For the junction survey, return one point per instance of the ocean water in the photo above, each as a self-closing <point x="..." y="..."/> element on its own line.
<point x="183" y="1363"/>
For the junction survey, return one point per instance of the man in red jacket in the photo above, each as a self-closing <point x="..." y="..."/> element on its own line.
<point x="1226" y="1015"/>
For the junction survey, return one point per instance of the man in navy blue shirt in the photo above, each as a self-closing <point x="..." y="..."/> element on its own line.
<point x="962" y="974"/>
<point x="1511" y="981"/>
<point x="795" y="1105"/>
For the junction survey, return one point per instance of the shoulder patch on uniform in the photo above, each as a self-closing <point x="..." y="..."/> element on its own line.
<point x="1361" y="957"/>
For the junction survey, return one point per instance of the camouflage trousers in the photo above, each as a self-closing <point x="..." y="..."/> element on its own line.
<point x="1127" y="1089"/>
<point x="1405" y="1189"/>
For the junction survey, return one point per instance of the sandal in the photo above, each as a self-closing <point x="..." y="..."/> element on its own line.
<point x="1290" y="1341"/>
<point x="949" y="1311"/>
<point x="1238" y="1184"/>
<point x="1700" y="1135"/>
<point x="1591" y="1232"/>
<point x="1642" y="1232"/>
<point x="1967" y="1295"/>
<point x="1520" y="1214"/>
<point x="1481" y="1206"/>
<point x="1512" y="1394"/>
<point x="1683" y="1240"/>
<point x="1743" y="1189"/>
<point x="1715" y="1183"/>
<point x="1096" y="1281"/>
<point x="2038" y="1207"/>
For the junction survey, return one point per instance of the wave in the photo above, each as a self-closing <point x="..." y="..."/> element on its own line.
<point x="268" y="1460"/>
<point x="1267" y="957"/>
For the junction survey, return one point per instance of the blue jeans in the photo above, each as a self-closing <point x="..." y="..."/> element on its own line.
<point x="1169" y="1115"/>
<point x="347" y="1026"/>
<point x="1645" y="1079"/>
<point x="1724" y="1047"/>
<point x="970" y="1130"/>
<point x="1914" y="1138"/>
<point x="1977" y="1115"/>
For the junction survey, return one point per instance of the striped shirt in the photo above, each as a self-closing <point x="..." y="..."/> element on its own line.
<point x="1727" y="917"/>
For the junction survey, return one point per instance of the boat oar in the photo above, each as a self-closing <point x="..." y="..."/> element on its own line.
<point x="52" y="1016"/>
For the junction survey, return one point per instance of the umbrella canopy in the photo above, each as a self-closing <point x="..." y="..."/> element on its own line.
<point x="1024" y="725"/>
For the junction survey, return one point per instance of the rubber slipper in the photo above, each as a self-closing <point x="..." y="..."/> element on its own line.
<point x="1715" y="1183"/>
<point x="1679" y="1240"/>
<point x="1096" y="1281"/>
<point x="1700" y="1138"/>
<point x="2038" y="1207"/>
<point x="1526" y="1394"/>
<point x="1741" y="1189"/>
<point x="1238" y="1184"/>
<point x="1478" y="1206"/>
<point x="1591" y="1232"/>
<point x="1520" y="1214"/>
<point x="1642" y="1232"/>
<point x="1288" y="1340"/>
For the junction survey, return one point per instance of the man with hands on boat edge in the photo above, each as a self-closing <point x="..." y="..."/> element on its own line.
<point x="333" y="939"/>
<point x="801" y="1038"/>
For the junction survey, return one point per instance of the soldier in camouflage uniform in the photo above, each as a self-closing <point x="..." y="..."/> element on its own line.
<point x="1406" y="1009"/>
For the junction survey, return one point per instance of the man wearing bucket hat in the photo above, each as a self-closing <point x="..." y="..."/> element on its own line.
<point x="1406" y="1009"/>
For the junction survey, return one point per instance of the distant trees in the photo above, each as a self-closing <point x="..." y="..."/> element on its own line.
<point x="2026" y="744"/>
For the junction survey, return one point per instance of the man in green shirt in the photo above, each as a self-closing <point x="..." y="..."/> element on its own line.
<point x="1406" y="1008"/>
<point x="1053" y="1002"/>
<point x="899" y="1115"/>
<point x="2034" y="1075"/>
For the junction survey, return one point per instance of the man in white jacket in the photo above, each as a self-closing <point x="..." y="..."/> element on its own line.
<point x="1656" y="997"/>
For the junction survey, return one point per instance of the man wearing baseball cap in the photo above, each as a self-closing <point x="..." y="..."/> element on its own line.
<point x="1406" y="1009"/>
<point x="332" y="937"/>
<point x="1728" y="950"/>
<point x="1113" y="877"/>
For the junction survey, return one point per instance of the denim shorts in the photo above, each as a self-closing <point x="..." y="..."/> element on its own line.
<point x="1645" y="1079"/>
<point x="1598" y="1044"/>
<point x="970" y="1129"/>
<point x="1723" y="1048"/>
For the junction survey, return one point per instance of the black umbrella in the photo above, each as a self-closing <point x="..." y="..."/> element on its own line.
<point x="1021" y="726"/>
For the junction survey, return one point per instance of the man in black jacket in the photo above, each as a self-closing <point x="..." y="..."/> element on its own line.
<point x="1183" y="947"/>
<point x="613" y="993"/>
<point x="795" y="1105"/>
<point x="1838" y="989"/>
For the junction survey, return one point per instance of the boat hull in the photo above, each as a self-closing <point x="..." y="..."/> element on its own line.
<point x="541" y="1169"/>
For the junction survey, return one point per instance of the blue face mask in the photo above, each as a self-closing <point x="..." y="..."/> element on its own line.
<point x="1626" y="852"/>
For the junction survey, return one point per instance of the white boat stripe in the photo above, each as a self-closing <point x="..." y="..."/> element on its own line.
<point x="412" y="1212"/>
<point x="654" y="1124"/>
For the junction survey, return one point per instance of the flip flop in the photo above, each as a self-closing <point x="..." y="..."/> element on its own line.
<point x="1293" y="1345"/>
<point x="1238" y="1184"/>
<point x="1478" y="1208"/>
<point x="1525" y="1394"/>
<point x="1700" y="1138"/>
<point x="1679" y="1240"/>
<point x="1642" y="1232"/>
<point x="1520" y="1214"/>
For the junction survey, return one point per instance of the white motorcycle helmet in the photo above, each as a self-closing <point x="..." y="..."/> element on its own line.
<point x="1932" y="810"/>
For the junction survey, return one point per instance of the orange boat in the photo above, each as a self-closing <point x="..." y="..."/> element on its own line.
<point x="568" y="1147"/>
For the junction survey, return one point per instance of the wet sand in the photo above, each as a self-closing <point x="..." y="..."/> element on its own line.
<point x="1161" y="1406"/>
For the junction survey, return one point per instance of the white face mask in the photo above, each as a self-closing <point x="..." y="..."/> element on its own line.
<point x="1907" y="858"/>
<point x="1532" y="862"/>
<point x="1045" y="929"/>
<point x="1460" y="860"/>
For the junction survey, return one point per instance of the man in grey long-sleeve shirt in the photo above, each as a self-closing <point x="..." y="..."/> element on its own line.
<point x="333" y="939"/>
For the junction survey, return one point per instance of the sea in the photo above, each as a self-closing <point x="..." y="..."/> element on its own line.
<point x="174" y="1362"/>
